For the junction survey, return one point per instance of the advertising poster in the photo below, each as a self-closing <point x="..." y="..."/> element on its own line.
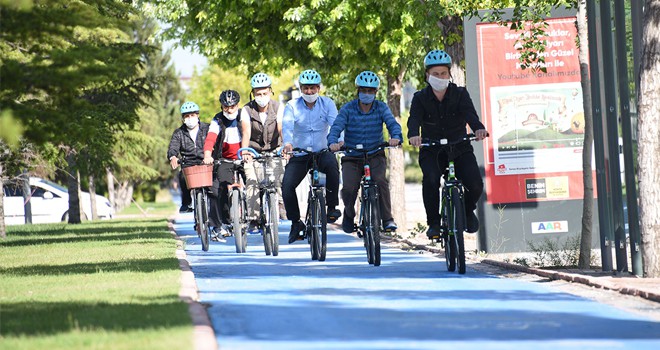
<point x="536" y="119"/>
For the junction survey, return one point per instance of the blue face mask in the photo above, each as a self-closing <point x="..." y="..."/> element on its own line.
<point x="366" y="98"/>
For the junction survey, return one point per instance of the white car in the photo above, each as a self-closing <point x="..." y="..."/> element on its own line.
<point x="50" y="203"/>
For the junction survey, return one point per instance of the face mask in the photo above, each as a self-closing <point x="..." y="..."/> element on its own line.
<point x="310" y="98"/>
<point x="231" y="116"/>
<point x="262" y="101"/>
<point x="438" y="84"/>
<point x="366" y="98"/>
<point x="191" y="122"/>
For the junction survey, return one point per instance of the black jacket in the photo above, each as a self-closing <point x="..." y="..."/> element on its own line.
<point x="442" y="120"/>
<point x="183" y="147"/>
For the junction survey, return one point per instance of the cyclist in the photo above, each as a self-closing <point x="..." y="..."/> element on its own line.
<point x="187" y="142"/>
<point x="362" y="120"/>
<point x="261" y="126"/>
<point x="223" y="141"/>
<point x="441" y="110"/>
<point x="305" y="124"/>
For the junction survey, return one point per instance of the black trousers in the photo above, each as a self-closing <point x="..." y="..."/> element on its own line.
<point x="352" y="169"/>
<point x="219" y="210"/>
<point x="295" y="172"/>
<point x="186" y="199"/>
<point x="434" y="163"/>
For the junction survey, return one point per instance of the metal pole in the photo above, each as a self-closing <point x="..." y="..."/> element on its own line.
<point x="626" y="129"/>
<point x="593" y="17"/>
<point x="612" y="138"/>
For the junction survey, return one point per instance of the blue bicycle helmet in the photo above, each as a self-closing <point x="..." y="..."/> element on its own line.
<point x="189" y="107"/>
<point x="367" y="79"/>
<point x="309" y="77"/>
<point x="260" y="80"/>
<point x="437" y="58"/>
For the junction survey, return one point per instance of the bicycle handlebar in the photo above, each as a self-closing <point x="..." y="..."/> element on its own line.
<point x="445" y="142"/>
<point x="306" y="151"/>
<point x="257" y="155"/>
<point x="362" y="150"/>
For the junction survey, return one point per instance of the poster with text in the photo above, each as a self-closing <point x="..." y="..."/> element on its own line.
<point x="536" y="119"/>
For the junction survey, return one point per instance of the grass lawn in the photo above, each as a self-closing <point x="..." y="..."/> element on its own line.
<point x="97" y="285"/>
<point x="163" y="209"/>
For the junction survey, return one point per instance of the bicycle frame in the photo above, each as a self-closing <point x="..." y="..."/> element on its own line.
<point x="238" y="205"/>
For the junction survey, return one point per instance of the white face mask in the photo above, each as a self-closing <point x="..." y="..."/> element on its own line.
<point x="231" y="116"/>
<point x="191" y="122"/>
<point x="438" y="84"/>
<point x="262" y="101"/>
<point x="310" y="98"/>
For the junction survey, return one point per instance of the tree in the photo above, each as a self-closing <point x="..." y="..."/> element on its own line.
<point x="69" y="77"/>
<point x="649" y="145"/>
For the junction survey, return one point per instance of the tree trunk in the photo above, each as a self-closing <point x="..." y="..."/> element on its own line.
<point x="110" y="179"/>
<point x="3" y="227"/>
<point x="123" y="195"/>
<point x="648" y="141"/>
<point x="73" y="185"/>
<point x="452" y="29"/>
<point x="584" y="261"/>
<point x="92" y="197"/>
<point x="27" y="197"/>
<point x="396" y="159"/>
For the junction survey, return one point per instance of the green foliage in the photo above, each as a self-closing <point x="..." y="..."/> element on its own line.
<point x="555" y="253"/>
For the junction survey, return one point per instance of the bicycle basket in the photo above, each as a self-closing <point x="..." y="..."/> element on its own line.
<point x="199" y="176"/>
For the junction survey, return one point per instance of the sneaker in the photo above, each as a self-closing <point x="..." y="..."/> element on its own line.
<point x="389" y="226"/>
<point x="225" y="230"/>
<point x="472" y="223"/>
<point x="433" y="232"/>
<point x="217" y="236"/>
<point x="296" y="228"/>
<point x="333" y="215"/>
<point x="348" y="225"/>
<point x="254" y="227"/>
<point x="186" y="209"/>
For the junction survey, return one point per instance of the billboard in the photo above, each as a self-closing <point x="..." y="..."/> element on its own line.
<point x="536" y="119"/>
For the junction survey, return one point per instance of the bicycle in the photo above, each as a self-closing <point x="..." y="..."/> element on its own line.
<point x="453" y="220"/>
<point x="315" y="220"/>
<point x="238" y="204"/>
<point x="198" y="179"/>
<point x="369" y="219"/>
<point x="269" y="209"/>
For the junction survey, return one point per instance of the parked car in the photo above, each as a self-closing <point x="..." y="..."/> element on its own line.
<point x="50" y="203"/>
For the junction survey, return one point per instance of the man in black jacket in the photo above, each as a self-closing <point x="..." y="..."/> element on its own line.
<point x="442" y="110"/>
<point x="187" y="143"/>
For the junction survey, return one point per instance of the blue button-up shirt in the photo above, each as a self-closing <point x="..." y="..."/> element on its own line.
<point x="305" y="127"/>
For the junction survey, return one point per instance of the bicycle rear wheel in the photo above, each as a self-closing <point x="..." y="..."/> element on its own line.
<point x="235" y="214"/>
<point x="458" y="223"/>
<point x="448" y="239"/>
<point x="374" y="226"/>
<point x="201" y="215"/>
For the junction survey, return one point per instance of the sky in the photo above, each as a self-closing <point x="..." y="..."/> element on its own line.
<point x="185" y="60"/>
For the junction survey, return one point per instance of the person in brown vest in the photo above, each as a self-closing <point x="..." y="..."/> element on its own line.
<point x="261" y="125"/>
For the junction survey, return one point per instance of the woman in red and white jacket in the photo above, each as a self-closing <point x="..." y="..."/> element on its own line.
<point x="223" y="141"/>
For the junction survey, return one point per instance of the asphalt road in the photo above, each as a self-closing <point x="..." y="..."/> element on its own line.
<point x="409" y="302"/>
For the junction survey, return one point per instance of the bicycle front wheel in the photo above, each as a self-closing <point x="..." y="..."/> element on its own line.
<point x="273" y="222"/>
<point x="265" y="215"/>
<point x="458" y="223"/>
<point x="318" y="231"/>
<point x="235" y="214"/>
<point x="201" y="215"/>
<point x="373" y="227"/>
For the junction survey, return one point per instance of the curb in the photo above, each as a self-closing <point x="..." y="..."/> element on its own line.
<point x="203" y="334"/>
<point x="575" y="278"/>
<point x="596" y="282"/>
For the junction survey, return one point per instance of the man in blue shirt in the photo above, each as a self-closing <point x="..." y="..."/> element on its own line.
<point x="362" y="121"/>
<point x="305" y="124"/>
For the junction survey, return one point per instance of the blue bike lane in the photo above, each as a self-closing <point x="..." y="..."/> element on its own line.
<point x="409" y="302"/>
